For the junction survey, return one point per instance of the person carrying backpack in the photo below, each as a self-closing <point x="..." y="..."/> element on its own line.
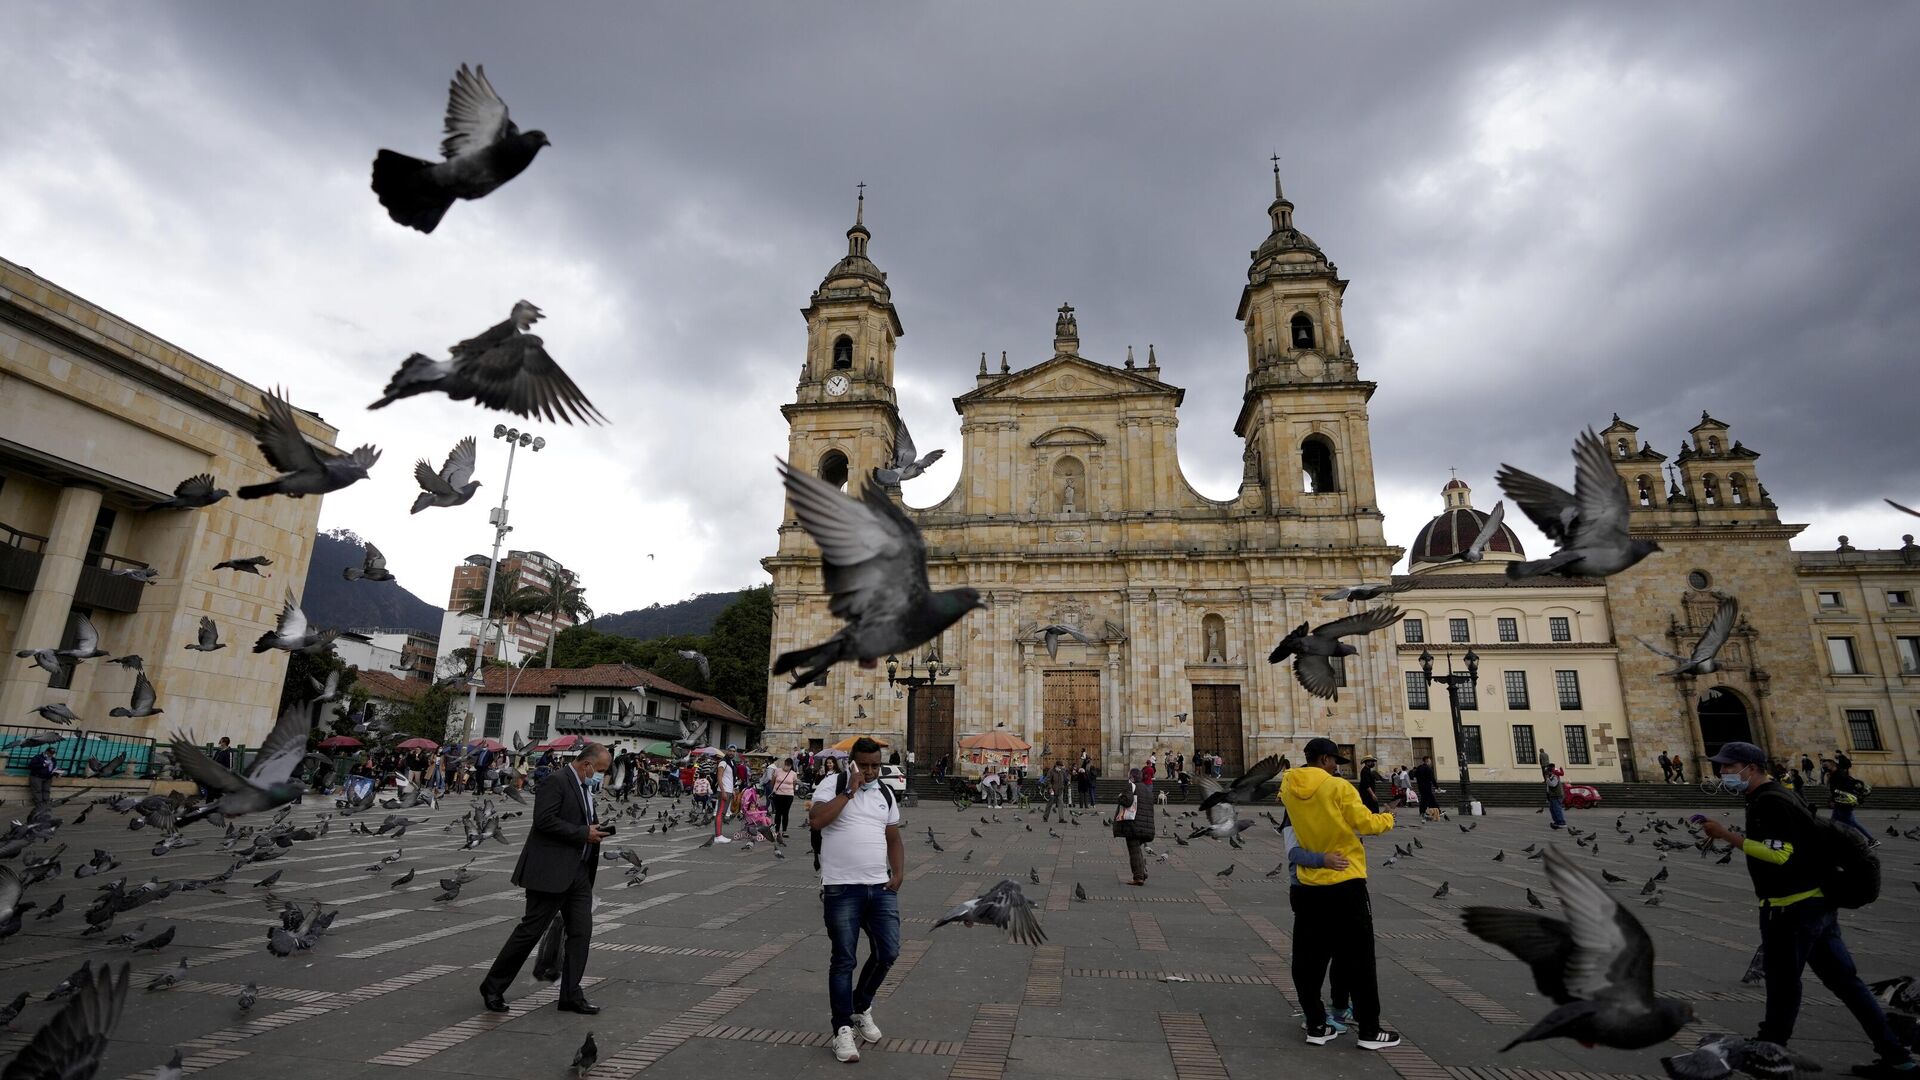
<point x="1555" y="777"/>
<point x="1790" y="858"/>
<point x="1844" y="792"/>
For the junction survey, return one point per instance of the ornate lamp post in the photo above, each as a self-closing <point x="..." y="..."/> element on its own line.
<point x="913" y="682"/>
<point x="1454" y="680"/>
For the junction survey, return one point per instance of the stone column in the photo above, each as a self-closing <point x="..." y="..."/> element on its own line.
<point x="44" y="620"/>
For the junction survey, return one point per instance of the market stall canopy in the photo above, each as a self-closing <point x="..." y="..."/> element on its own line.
<point x="418" y="744"/>
<point x="847" y="743"/>
<point x="995" y="740"/>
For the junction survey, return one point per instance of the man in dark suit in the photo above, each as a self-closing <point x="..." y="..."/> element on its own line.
<point x="557" y="868"/>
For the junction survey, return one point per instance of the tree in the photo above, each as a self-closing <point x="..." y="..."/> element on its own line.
<point x="302" y="667"/>
<point x="559" y="599"/>
<point x="738" y="652"/>
<point x="429" y="716"/>
<point x="504" y="609"/>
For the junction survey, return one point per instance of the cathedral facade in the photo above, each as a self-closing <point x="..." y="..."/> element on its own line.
<point x="1071" y="509"/>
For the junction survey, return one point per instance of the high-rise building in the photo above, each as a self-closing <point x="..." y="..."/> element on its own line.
<point x="509" y="639"/>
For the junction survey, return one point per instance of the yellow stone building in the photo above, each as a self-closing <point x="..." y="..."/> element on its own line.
<point x="1071" y="508"/>
<point x="98" y="420"/>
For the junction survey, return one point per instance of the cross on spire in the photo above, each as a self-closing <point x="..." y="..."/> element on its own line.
<point x="860" y="205"/>
<point x="1277" y="193"/>
<point x="1453" y="472"/>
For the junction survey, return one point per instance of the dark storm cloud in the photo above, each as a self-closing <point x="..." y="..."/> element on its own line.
<point x="1547" y="216"/>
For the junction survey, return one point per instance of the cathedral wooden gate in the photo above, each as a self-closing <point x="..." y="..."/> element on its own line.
<point x="930" y="726"/>
<point x="1070" y="709"/>
<point x="1216" y="725"/>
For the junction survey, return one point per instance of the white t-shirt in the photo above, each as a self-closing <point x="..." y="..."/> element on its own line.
<point x="853" y="850"/>
<point x="726" y="778"/>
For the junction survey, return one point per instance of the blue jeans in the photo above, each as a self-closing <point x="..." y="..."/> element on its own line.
<point x="1807" y="934"/>
<point x="850" y="909"/>
<point x="1556" y="805"/>
<point x="1844" y="815"/>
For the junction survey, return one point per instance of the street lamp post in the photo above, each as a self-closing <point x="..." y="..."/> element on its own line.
<point x="1454" y="680"/>
<point x="913" y="683"/>
<point x="498" y="519"/>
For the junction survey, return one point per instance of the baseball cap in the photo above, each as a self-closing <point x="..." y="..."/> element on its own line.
<point x="1739" y="753"/>
<point x="1323" y="747"/>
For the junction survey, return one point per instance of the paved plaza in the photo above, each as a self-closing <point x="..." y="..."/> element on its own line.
<point x="717" y="964"/>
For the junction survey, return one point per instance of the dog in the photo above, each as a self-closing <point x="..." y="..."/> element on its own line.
<point x="1160" y="798"/>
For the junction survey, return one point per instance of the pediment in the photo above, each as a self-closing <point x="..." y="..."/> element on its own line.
<point x="1067" y="377"/>
<point x="1070" y="436"/>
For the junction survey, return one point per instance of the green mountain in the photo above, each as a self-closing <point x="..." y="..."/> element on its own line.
<point x="331" y="600"/>
<point x="693" y="615"/>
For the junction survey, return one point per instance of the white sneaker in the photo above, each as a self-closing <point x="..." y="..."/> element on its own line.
<point x="722" y="840"/>
<point x="845" y="1046"/>
<point x="869" y="1030"/>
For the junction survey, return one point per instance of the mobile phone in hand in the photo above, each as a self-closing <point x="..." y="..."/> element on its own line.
<point x="607" y="830"/>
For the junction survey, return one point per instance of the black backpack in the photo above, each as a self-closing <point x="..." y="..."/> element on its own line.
<point x="1844" y="863"/>
<point x="885" y="791"/>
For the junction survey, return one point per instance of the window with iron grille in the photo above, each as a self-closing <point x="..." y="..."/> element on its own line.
<point x="1470" y="749"/>
<point x="496" y="717"/>
<point x="1560" y="628"/>
<point x="1468" y="695"/>
<point x="1509" y="629"/>
<point x="1568" y="685"/>
<point x="541" y="714"/>
<point x="1863" y="729"/>
<point x="1415" y="630"/>
<point x="1517" y="690"/>
<point x="1417" y="691"/>
<point x="1523" y="752"/>
<point x="1577" y="745"/>
<point x="1457" y="630"/>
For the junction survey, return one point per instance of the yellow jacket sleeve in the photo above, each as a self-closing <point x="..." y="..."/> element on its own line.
<point x="1362" y="821"/>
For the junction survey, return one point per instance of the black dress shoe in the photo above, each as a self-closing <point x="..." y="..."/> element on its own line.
<point x="581" y="1006"/>
<point x="494" y="1002"/>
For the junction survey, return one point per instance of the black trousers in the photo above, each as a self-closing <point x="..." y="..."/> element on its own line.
<point x="782" y="808"/>
<point x="575" y="909"/>
<point x="1333" y="926"/>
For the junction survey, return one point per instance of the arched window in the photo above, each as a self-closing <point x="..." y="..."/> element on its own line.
<point x="1710" y="486"/>
<point x="1302" y="328"/>
<point x="1713" y="446"/>
<point x="1621" y="446"/>
<point x="843" y="352"/>
<point x="1317" y="468"/>
<point x="1644" y="486"/>
<point x="833" y="469"/>
<point x="1737" y="487"/>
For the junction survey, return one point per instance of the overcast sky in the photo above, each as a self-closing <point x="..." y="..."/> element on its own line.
<point x="1547" y="215"/>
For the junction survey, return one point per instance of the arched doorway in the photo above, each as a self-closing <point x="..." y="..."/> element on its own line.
<point x="1724" y="719"/>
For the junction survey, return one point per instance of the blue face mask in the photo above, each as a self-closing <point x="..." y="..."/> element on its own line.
<point x="1733" y="782"/>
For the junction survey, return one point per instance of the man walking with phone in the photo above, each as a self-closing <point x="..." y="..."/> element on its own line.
<point x="862" y="862"/>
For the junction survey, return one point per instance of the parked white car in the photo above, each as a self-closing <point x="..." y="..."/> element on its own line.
<point x="895" y="777"/>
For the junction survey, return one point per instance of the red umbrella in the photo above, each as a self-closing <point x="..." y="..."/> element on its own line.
<point x="564" y="742"/>
<point x="484" y="744"/>
<point x="419" y="744"/>
<point x="337" y="742"/>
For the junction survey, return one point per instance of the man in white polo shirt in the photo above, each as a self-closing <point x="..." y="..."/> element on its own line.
<point x="862" y="860"/>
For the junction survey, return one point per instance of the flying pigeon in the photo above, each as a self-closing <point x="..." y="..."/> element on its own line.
<point x="1357" y="593"/>
<point x="145" y="575"/>
<point x="700" y="660"/>
<point x="1596" y="965"/>
<point x="269" y="781"/>
<point x="292" y="633"/>
<point x="86" y="643"/>
<point x="56" y="713"/>
<point x="876" y="571"/>
<point x="504" y="368"/>
<point x="373" y="567"/>
<point x="453" y="485"/>
<point x="1050" y="637"/>
<point x="73" y="1042"/>
<point x="1702" y="659"/>
<point x="327" y="691"/>
<point x="1311" y="652"/>
<point x="1006" y="907"/>
<point x="209" y="636"/>
<point x="1721" y="1055"/>
<point x="904" y="463"/>
<point x="304" y="468"/>
<point x="1589" y="525"/>
<point x="192" y="493"/>
<point x="249" y="565"/>
<point x="1477" y="550"/>
<point x="1903" y="509"/>
<point x="483" y="150"/>
<point x="142" y="703"/>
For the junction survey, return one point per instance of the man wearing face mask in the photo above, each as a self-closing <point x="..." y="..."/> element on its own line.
<point x="1798" y="927"/>
<point x="557" y="869"/>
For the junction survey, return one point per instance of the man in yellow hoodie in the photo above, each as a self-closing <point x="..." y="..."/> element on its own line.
<point x="1333" y="922"/>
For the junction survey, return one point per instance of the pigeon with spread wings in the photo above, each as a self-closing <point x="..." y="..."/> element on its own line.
<point x="453" y="484"/>
<point x="1219" y="800"/>
<point x="1589" y="524"/>
<point x="72" y="1043"/>
<point x="268" y="783"/>
<point x="373" y="567"/>
<point x="192" y="493"/>
<point x="1702" y="661"/>
<point x="876" y="575"/>
<point x="503" y="368"/>
<point x="292" y="633"/>
<point x="1313" y="652"/>
<point x="209" y="636"/>
<point x="906" y="462"/>
<point x="304" y="468"/>
<point x="483" y="150"/>
<point x="1006" y="907"/>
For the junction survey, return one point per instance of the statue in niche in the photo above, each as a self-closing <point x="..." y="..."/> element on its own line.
<point x="1067" y="497"/>
<point x="1216" y="653"/>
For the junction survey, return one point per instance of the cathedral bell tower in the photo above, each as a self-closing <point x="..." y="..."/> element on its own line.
<point x="1309" y="457"/>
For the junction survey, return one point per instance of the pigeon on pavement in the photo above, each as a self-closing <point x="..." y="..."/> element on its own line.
<point x="1006" y="907"/>
<point x="11" y="1011"/>
<point x="1596" y="964"/>
<point x="1050" y="637"/>
<point x="269" y="782"/>
<point x="249" y="565"/>
<point x="905" y="464"/>
<point x="192" y="493"/>
<point x="584" y="1058"/>
<point x="304" y="468"/>
<point x="72" y="1043"/>
<point x="142" y="703"/>
<point x="1445" y="886"/>
<point x="483" y="150"/>
<point x="1721" y="1055"/>
<point x="1701" y="660"/>
<point x="504" y="368"/>
<point x="292" y="633"/>
<point x="209" y="636"/>
<point x="373" y="567"/>
<point x="1312" y="651"/>
<point x="1589" y="525"/>
<point x="1358" y="593"/>
<point x="249" y="994"/>
<point x="876" y="571"/>
<point x="453" y="485"/>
